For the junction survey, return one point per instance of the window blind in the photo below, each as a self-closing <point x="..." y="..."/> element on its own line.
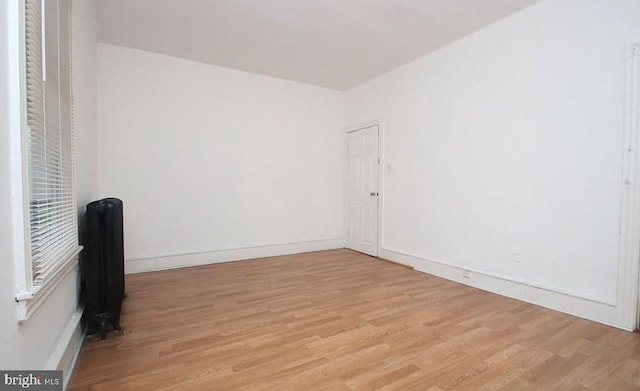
<point x="49" y="145"/>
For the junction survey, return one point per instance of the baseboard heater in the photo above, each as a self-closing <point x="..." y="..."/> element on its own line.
<point x="102" y="266"/>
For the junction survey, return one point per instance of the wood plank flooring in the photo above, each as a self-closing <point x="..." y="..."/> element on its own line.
<point x="340" y="320"/>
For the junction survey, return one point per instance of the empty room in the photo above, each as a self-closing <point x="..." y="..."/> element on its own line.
<point x="320" y="195"/>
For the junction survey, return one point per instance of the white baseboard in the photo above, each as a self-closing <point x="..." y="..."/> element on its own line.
<point x="595" y="309"/>
<point x="174" y="261"/>
<point x="66" y="352"/>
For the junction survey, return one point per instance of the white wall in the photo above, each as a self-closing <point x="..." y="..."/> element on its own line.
<point x="512" y="137"/>
<point x="85" y="101"/>
<point x="42" y="341"/>
<point x="208" y="159"/>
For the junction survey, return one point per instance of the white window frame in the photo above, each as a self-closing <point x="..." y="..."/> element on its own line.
<point x="29" y="297"/>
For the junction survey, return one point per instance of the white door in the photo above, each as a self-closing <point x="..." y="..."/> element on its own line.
<point x="363" y="161"/>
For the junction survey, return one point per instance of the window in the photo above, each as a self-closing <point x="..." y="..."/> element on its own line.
<point x="50" y="225"/>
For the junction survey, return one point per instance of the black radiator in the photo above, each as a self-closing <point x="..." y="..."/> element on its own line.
<point x="102" y="266"/>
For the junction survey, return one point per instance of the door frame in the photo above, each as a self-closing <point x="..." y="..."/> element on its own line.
<point x="345" y="180"/>
<point x="629" y="251"/>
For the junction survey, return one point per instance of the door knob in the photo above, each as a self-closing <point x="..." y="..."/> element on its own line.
<point x="373" y="194"/>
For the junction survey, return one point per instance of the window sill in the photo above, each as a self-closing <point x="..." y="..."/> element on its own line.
<point x="30" y="300"/>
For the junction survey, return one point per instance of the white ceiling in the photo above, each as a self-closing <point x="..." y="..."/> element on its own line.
<point x="331" y="43"/>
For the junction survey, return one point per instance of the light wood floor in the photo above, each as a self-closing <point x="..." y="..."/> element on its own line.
<point x="339" y="320"/>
